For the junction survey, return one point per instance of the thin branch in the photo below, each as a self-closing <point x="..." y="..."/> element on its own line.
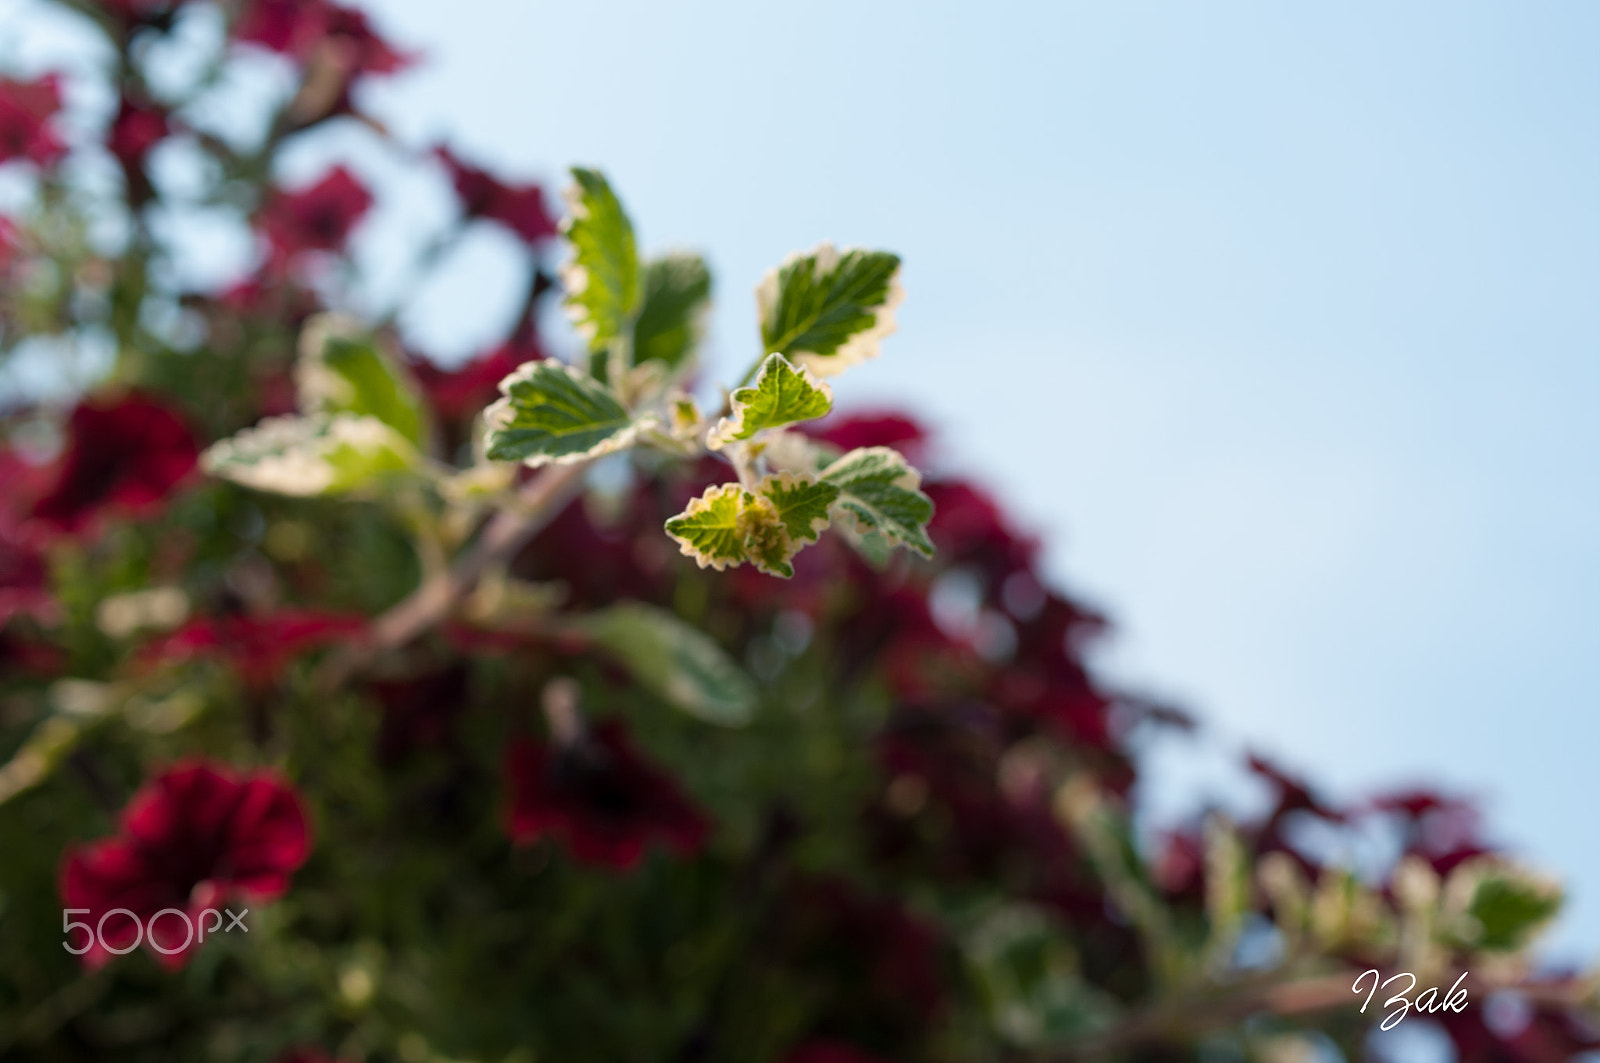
<point x="538" y="501"/>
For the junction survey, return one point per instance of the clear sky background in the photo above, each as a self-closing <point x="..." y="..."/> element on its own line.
<point x="1280" y="322"/>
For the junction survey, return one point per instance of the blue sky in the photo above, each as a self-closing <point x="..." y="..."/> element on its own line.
<point x="1280" y="322"/>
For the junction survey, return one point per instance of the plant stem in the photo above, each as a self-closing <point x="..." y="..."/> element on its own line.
<point x="539" y="500"/>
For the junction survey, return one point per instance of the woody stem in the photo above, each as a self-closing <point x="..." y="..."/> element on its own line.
<point x="533" y="506"/>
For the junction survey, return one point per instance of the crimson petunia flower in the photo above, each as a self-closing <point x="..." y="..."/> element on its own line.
<point x="318" y="217"/>
<point x="123" y="457"/>
<point x="307" y="1055"/>
<point x="296" y="27"/>
<point x="419" y="711"/>
<point x="24" y="575"/>
<point x="26" y="108"/>
<point x="259" y="647"/>
<point x="192" y="838"/>
<point x="600" y="798"/>
<point x="136" y="130"/>
<point x="830" y="1052"/>
<point x="1547" y="1035"/>
<point x="462" y="393"/>
<point x="876" y="963"/>
<point x="872" y="429"/>
<point x="8" y="243"/>
<point x="969" y="529"/>
<point x="519" y="207"/>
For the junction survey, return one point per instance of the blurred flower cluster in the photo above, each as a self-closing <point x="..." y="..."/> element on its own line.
<point x="502" y="774"/>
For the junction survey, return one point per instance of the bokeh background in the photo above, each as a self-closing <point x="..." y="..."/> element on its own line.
<point x="1279" y="323"/>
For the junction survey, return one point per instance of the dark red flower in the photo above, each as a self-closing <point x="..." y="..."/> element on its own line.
<point x="872" y="429"/>
<point x="1179" y="868"/>
<point x="24" y="655"/>
<point x="24" y="581"/>
<point x="307" y="1055"/>
<point x="1293" y="794"/>
<point x="123" y="457"/>
<point x="257" y="646"/>
<point x="460" y="394"/>
<point x="519" y="207"/>
<point x="8" y="243"/>
<point x="298" y="27"/>
<point x="26" y="108"/>
<point x="24" y="575"/>
<point x="620" y="558"/>
<point x="190" y="839"/>
<point x="969" y="529"/>
<point x="1445" y="831"/>
<point x="135" y="130"/>
<point x="600" y="798"/>
<point x="318" y="217"/>
<point x="419" y="711"/>
<point x="830" y="1052"/>
<point x="1542" y="1035"/>
<point x="876" y="964"/>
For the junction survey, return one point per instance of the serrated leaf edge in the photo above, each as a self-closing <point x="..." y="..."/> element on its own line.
<point x="303" y="470"/>
<point x="731" y="428"/>
<point x="788" y="481"/>
<point x="574" y="275"/>
<point x="697" y="505"/>
<point x="861" y="347"/>
<point x="909" y="479"/>
<point x="499" y="412"/>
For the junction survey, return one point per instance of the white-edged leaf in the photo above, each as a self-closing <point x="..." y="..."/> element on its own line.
<point x="306" y="456"/>
<point x="672" y="315"/>
<point x="709" y="529"/>
<point x="828" y="309"/>
<point x="873" y="548"/>
<point x="602" y="278"/>
<point x="729" y="526"/>
<point x="783" y="393"/>
<point x="676" y="661"/>
<point x="342" y="368"/>
<point x="552" y="412"/>
<point x="1498" y="906"/>
<point x="880" y="490"/>
<point x="802" y="504"/>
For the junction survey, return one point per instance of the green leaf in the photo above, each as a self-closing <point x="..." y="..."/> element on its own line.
<point x="827" y="309"/>
<point x="873" y="548"/>
<point x="1511" y="909"/>
<point x="677" y="297"/>
<point x="551" y="412"/>
<point x="1028" y="978"/>
<point x="307" y="456"/>
<point x="343" y="369"/>
<point x="709" y="530"/>
<point x="802" y="504"/>
<point x="783" y="393"/>
<point x="602" y="279"/>
<point x="729" y="526"/>
<point x="1227" y="890"/>
<point x="50" y="742"/>
<point x="679" y="663"/>
<point x="881" y="492"/>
